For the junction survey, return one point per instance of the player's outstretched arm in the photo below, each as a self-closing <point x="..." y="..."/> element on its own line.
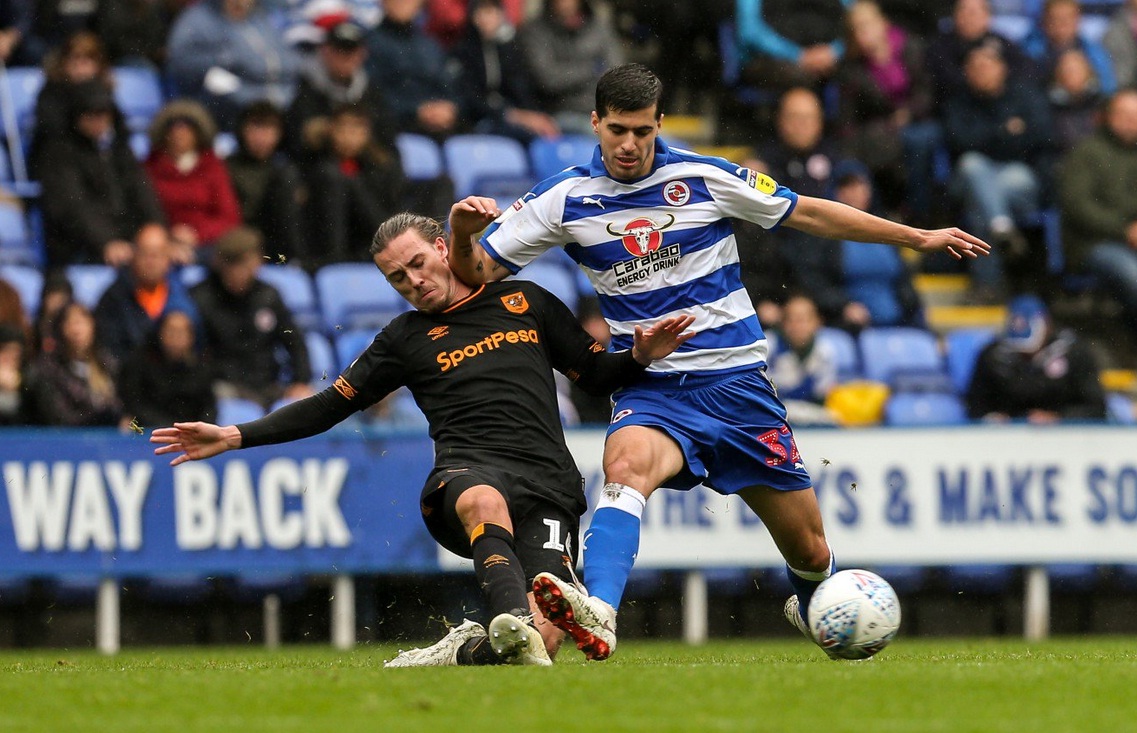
<point x="468" y="259"/>
<point x="661" y="338"/>
<point x="834" y="220"/>
<point x="194" y="441"/>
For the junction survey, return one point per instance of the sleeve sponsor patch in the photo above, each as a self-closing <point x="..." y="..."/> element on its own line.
<point x="760" y="181"/>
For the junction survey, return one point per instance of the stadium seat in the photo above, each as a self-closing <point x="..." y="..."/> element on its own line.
<point x="474" y="159"/>
<point x="192" y="274"/>
<point x="140" y="145"/>
<point x="888" y="353"/>
<point x="16" y="245"/>
<point x="1012" y="27"/>
<point x="234" y="410"/>
<point x="911" y="409"/>
<point x="322" y="359"/>
<point x="28" y="282"/>
<point x="90" y="282"/>
<point x="1120" y="409"/>
<point x="421" y="157"/>
<point x="351" y="344"/>
<point x="296" y="289"/>
<point x="138" y="93"/>
<point x="550" y="157"/>
<point x="845" y="348"/>
<point x="555" y="277"/>
<point x="24" y="83"/>
<point x="353" y="295"/>
<point x="963" y="347"/>
<point x="225" y="144"/>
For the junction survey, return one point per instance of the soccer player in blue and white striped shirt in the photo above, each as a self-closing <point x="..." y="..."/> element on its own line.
<point x="650" y="226"/>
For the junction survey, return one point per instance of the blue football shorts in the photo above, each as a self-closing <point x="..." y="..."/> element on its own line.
<point x="732" y="429"/>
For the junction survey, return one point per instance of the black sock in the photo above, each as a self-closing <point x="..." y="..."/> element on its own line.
<point x="498" y="570"/>
<point x="478" y="652"/>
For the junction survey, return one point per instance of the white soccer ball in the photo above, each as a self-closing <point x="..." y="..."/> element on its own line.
<point x="854" y="614"/>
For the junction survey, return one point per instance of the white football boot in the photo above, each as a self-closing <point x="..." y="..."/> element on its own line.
<point x="517" y="641"/>
<point x="589" y="621"/>
<point x="442" y="654"/>
<point x="798" y="622"/>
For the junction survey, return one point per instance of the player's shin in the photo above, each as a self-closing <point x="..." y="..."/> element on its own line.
<point x="804" y="582"/>
<point x="498" y="570"/>
<point x="612" y="541"/>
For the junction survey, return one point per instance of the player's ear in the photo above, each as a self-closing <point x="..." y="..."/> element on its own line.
<point x="595" y="122"/>
<point x="441" y="246"/>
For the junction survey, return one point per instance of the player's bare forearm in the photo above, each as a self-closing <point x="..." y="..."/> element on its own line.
<point x="834" y="220"/>
<point x="468" y="259"/>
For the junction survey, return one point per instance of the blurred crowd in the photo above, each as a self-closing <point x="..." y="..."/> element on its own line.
<point x="277" y="145"/>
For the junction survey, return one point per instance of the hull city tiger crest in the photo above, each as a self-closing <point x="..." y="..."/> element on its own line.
<point x="515" y="302"/>
<point x="642" y="236"/>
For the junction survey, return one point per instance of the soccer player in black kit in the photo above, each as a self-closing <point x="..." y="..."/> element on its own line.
<point x="504" y="489"/>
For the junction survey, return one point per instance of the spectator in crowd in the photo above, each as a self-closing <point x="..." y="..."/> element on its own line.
<point x="803" y="368"/>
<point x="353" y="185"/>
<point x="19" y="46"/>
<point x="411" y="69"/>
<point x="1075" y="99"/>
<point x="13" y="349"/>
<point x="267" y="184"/>
<point x="164" y="380"/>
<point x="192" y="183"/>
<point x="1000" y="135"/>
<point x="13" y="314"/>
<point x="96" y="196"/>
<point x="801" y="156"/>
<point x="141" y="294"/>
<point x="55" y="294"/>
<point x="1121" y="42"/>
<point x="857" y="285"/>
<point x="1035" y="373"/>
<point x="55" y="20"/>
<point x="74" y="385"/>
<point x="971" y="26"/>
<point x="495" y="79"/>
<point x="80" y="59"/>
<point x="1058" y="32"/>
<point x="246" y="325"/>
<point x="567" y="47"/>
<point x="788" y="44"/>
<point x="134" y="31"/>
<point x="306" y="22"/>
<point x="446" y="19"/>
<point x="228" y="54"/>
<point x="336" y="76"/>
<point x="1099" y="208"/>
<point x="885" y="108"/>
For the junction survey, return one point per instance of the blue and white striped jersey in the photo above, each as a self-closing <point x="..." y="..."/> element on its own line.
<point x="658" y="246"/>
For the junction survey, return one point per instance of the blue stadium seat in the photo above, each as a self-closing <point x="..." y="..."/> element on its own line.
<point x="1120" y="409"/>
<point x="845" y="348"/>
<point x="421" y="157"/>
<point x="550" y="157"/>
<point x="889" y="353"/>
<point x="354" y="295"/>
<point x="322" y="359"/>
<point x="90" y="281"/>
<point x="140" y="145"/>
<point x="351" y="344"/>
<point x="24" y="83"/>
<point x="234" y="410"/>
<point x="913" y="409"/>
<point x="1012" y="27"/>
<point x="963" y="347"/>
<point x="138" y="93"/>
<point x="472" y="159"/>
<point x="28" y="282"/>
<point x="225" y="144"/>
<point x="554" y="275"/>
<point x="296" y="289"/>
<point x="16" y="245"/>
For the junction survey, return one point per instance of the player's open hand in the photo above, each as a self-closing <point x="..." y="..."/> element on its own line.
<point x="955" y="242"/>
<point x="473" y="214"/>
<point x="193" y="441"/>
<point x="661" y="338"/>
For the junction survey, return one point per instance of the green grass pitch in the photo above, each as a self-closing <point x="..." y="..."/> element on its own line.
<point x="985" y="686"/>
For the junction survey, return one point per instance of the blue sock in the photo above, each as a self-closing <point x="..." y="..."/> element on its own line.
<point x="612" y="541"/>
<point x="805" y="582"/>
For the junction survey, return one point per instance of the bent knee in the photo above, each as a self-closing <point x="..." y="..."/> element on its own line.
<point x="482" y="504"/>
<point x="811" y="555"/>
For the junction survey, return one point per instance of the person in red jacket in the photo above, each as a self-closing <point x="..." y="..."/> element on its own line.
<point x="192" y="183"/>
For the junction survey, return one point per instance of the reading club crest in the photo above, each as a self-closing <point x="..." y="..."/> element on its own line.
<point x="642" y="236"/>
<point x="676" y="193"/>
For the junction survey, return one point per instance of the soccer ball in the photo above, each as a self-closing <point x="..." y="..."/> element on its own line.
<point x="854" y="614"/>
